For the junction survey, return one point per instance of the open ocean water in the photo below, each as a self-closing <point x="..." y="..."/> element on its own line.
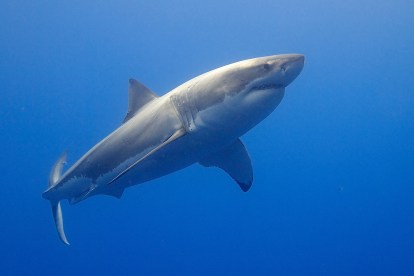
<point x="333" y="165"/>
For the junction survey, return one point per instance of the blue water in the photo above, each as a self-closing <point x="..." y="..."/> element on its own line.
<point x="333" y="165"/>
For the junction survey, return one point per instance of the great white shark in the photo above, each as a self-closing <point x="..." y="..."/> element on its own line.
<point x="199" y="121"/>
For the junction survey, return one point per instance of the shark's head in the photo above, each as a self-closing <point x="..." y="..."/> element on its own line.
<point x="244" y="93"/>
<point x="268" y="73"/>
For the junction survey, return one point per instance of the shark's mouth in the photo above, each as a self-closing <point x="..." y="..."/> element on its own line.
<point x="266" y="87"/>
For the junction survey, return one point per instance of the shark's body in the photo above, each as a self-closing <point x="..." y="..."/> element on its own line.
<point x="199" y="121"/>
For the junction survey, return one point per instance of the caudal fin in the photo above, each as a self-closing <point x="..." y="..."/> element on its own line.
<point x="56" y="171"/>
<point x="54" y="177"/>
<point x="57" y="215"/>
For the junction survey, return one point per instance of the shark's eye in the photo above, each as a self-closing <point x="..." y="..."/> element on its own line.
<point x="266" y="66"/>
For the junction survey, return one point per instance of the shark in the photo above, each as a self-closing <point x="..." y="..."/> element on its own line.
<point x="200" y="121"/>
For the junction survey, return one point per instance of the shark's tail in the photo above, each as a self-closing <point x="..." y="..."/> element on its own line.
<point x="57" y="215"/>
<point x="54" y="177"/>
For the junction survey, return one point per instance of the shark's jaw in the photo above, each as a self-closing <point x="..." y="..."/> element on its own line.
<point x="279" y="71"/>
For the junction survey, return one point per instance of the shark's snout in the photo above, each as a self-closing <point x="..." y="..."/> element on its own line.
<point x="291" y="67"/>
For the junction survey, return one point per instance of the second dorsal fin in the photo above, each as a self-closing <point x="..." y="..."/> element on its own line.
<point x="138" y="96"/>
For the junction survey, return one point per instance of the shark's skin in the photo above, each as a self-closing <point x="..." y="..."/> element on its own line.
<point x="199" y="121"/>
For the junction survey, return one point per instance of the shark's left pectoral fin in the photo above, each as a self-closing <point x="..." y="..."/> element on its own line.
<point x="177" y="134"/>
<point x="235" y="161"/>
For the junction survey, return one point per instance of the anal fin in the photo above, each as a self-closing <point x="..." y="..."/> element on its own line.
<point x="114" y="191"/>
<point x="82" y="196"/>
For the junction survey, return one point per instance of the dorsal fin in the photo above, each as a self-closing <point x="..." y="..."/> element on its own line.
<point x="138" y="96"/>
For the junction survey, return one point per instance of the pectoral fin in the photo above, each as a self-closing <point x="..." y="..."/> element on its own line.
<point x="179" y="133"/>
<point x="235" y="161"/>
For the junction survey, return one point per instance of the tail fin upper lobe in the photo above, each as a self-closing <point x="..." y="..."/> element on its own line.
<point x="54" y="177"/>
